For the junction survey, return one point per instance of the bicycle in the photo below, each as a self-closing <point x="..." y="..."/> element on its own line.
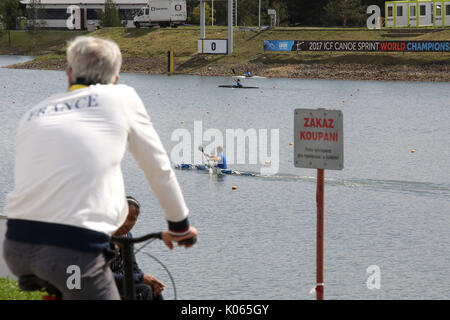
<point x="34" y="283"/>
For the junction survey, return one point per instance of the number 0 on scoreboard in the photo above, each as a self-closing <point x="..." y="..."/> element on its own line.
<point x="213" y="46"/>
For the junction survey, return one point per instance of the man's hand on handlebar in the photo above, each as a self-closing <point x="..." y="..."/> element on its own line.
<point x="187" y="241"/>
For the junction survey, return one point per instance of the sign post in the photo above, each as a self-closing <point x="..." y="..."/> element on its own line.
<point x="213" y="46"/>
<point x="170" y="61"/>
<point x="320" y="229"/>
<point x="229" y="41"/>
<point x="230" y="26"/>
<point x="319" y="143"/>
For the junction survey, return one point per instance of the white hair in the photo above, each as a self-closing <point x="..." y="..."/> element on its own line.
<point x="93" y="59"/>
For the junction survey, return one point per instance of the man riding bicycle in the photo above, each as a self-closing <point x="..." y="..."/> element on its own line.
<point x="69" y="194"/>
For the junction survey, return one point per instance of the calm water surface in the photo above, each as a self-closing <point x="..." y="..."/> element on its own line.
<point x="389" y="207"/>
<point x="11" y="59"/>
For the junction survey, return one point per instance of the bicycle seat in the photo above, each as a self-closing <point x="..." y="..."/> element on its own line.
<point x="34" y="283"/>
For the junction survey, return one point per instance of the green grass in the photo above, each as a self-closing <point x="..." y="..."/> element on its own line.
<point x="24" y="43"/>
<point x="9" y="290"/>
<point x="248" y="46"/>
<point x="145" y="49"/>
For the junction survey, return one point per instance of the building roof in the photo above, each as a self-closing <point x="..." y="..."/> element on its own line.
<point x="77" y="2"/>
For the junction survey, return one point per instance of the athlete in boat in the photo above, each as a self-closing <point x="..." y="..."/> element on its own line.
<point x="248" y="74"/>
<point x="238" y="82"/>
<point x="220" y="159"/>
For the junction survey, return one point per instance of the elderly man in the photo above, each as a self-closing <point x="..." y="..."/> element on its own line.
<point x="69" y="194"/>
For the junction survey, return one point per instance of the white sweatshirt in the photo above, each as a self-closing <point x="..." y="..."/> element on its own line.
<point x="68" y="157"/>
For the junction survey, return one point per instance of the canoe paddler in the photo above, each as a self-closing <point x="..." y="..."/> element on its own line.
<point x="220" y="159"/>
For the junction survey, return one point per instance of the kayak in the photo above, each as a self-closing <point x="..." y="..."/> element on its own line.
<point x="237" y="87"/>
<point x="251" y="77"/>
<point x="202" y="167"/>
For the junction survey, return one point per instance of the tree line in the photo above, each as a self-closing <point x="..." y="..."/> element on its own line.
<point x="11" y="10"/>
<point x="318" y="13"/>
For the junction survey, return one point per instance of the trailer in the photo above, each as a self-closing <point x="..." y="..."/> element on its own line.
<point x="54" y="12"/>
<point x="421" y="13"/>
<point x="162" y="13"/>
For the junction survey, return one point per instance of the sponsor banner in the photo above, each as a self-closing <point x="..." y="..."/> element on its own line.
<point x="357" y="46"/>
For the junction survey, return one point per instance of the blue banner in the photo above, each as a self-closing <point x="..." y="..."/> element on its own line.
<point x="278" y="45"/>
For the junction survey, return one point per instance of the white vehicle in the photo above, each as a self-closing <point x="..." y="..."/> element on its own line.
<point x="163" y="13"/>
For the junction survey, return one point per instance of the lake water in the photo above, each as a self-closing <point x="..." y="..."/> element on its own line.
<point x="10" y="60"/>
<point x="388" y="207"/>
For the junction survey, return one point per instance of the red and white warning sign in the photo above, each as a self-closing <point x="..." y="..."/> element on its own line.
<point x="318" y="139"/>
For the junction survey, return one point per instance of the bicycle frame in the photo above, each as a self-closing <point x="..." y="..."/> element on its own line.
<point x="125" y="244"/>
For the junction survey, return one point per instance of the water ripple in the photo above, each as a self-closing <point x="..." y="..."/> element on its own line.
<point x="402" y="186"/>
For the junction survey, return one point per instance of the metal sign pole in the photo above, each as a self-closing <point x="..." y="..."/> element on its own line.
<point x="202" y="19"/>
<point x="320" y="233"/>
<point x="235" y="13"/>
<point x="259" y="15"/>
<point x="230" y="26"/>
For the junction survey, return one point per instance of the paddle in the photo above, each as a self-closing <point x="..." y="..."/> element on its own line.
<point x="200" y="148"/>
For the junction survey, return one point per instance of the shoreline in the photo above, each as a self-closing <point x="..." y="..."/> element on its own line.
<point x="430" y="72"/>
<point x="144" y="51"/>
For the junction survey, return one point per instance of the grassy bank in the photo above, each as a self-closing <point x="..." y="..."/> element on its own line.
<point x="145" y="51"/>
<point x="9" y="290"/>
<point x="40" y="44"/>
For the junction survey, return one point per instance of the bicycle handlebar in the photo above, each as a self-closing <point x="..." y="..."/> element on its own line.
<point x="126" y="240"/>
<point x="156" y="235"/>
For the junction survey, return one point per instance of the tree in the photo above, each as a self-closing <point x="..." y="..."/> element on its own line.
<point x="196" y="14"/>
<point x="248" y="12"/>
<point x="292" y="12"/>
<point x="36" y="16"/>
<point x="220" y="12"/>
<point x="109" y="17"/>
<point x="282" y="11"/>
<point x="380" y="3"/>
<point x="345" y="12"/>
<point x="9" y="10"/>
<point x="305" y="12"/>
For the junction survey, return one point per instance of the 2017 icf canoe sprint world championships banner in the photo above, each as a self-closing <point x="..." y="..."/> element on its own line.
<point x="344" y="45"/>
